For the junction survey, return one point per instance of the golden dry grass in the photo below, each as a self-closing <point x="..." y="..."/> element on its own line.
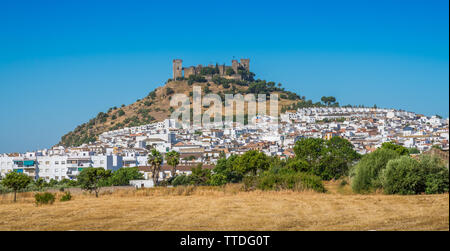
<point x="228" y="208"/>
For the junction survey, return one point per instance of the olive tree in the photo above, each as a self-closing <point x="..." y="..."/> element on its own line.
<point x="91" y="178"/>
<point x="16" y="182"/>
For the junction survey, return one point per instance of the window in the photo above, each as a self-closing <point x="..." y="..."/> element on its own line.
<point x="56" y="162"/>
<point x="63" y="162"/>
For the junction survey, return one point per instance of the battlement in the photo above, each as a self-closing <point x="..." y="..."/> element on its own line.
<point x="222" y="70"/>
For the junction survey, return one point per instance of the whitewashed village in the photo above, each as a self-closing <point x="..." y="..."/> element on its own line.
<point x="365" y="128"/>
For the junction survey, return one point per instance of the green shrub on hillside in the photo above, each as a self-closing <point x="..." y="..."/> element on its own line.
<point x="279" y="179"/>
<point x="409" y="176"/>
<point x="44" y="198"/>
<point x="437" y="175"/>
<point x="403" y="176"/>
<point x="66" y="197"/>
<point x="365" y="173"/>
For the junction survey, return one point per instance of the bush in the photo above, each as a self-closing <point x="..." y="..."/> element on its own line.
<point x="44" y="198"/>
<point x="366" y="172"/>
<point x="181" y="180"/>
<point x="278" y="179"/>
<point x="409" y="176"/>
<point x="66" y="197"/>
<point x="436" y="179"/>
<point x="403" y="176"/>
<point x="399" y="149"/>
<point x="123" y="175"/>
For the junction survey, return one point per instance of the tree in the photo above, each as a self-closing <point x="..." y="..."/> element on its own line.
<point x="298" y="165"/>
<point x="413" y="150"/>
<point x="173" y="159"/>
<point x="16" y="182"/>
<point x="366" y="172"/>
<point x="310" y="150"/>
<point x="200" y="176"/>
<point x="403" y="176"/>
<point x="91" y="178"/>
<point x="327" y="159"/>
<point x="398" y="148"/>
<point x="328" y="100"/>
<point x="230" y="71"/>
<point x="122" y="176"/>
<point x="225" y="170"/>
<point x="436" y="174"/>
<point x="40" y="183"/>
<point x="251" y="162"/>
<point x="155" y="160"/>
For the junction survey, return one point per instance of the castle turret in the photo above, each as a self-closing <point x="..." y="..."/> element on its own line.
<point x="245" y="63"/>
<point x="177" y="68"/>
<point x="234" y="65"/>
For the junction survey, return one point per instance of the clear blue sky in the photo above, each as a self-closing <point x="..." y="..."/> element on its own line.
<point x="62" y="62"/>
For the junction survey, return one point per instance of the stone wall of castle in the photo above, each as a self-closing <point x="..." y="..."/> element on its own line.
<point x="178" y="69"/>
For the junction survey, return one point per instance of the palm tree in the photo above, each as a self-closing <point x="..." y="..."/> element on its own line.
<point x="173" y="159"/>
<point x="155" y="160"/>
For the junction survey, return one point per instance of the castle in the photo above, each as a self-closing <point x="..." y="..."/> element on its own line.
<point x="230" y="72"/>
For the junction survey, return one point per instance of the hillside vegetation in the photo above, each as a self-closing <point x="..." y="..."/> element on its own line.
<point x="156" y="105"/>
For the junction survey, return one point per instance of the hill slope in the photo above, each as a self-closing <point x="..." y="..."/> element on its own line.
<point x="156" y="106"/>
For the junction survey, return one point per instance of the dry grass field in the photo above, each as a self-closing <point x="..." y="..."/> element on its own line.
<point x="229" y="208"/>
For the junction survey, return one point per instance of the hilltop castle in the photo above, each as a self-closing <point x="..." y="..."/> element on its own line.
<point x="231" y="72"/>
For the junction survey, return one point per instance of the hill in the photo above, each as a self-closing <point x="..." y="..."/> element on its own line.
<point x="156" y="105"/>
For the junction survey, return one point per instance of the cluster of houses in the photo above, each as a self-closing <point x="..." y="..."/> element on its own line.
<point x="368" y="128"/>
<point x="365" y="128"/>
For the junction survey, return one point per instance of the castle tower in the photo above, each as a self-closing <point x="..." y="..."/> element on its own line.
<point x="221" y="70"/>
<point x="235" y="65"/>
<point x="177" y="68"/>
<point x="245" y="63"/>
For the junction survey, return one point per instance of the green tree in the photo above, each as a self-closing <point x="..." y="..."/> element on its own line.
<point x="327" y="159"/>
<point x="16" y="182"/>
<point x="398" y="148"/>
<point x="406" y="175"/>
<point x="365" y="174"/>
<point x="402" y="176"/>
<point x="436" y="174"/>
<point x="310" y="149"/>
<point x="200" y="176"/>
<point x="251" y="162"/>
<point x="122" y="176"/>
<point x="91" y="178"/>
<point x="40" y="183"/>
<point x="298" y="165"/>
<point x="155" y="160"/>
<point x="173" y="159"/>
<point x="413" y="150"/>
<point x="230" y="71"/>
<point x="225" y="171"/>
<point x="328" y="101"/>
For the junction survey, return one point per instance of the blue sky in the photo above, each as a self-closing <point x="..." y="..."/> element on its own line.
<point x="62" y="62"/>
